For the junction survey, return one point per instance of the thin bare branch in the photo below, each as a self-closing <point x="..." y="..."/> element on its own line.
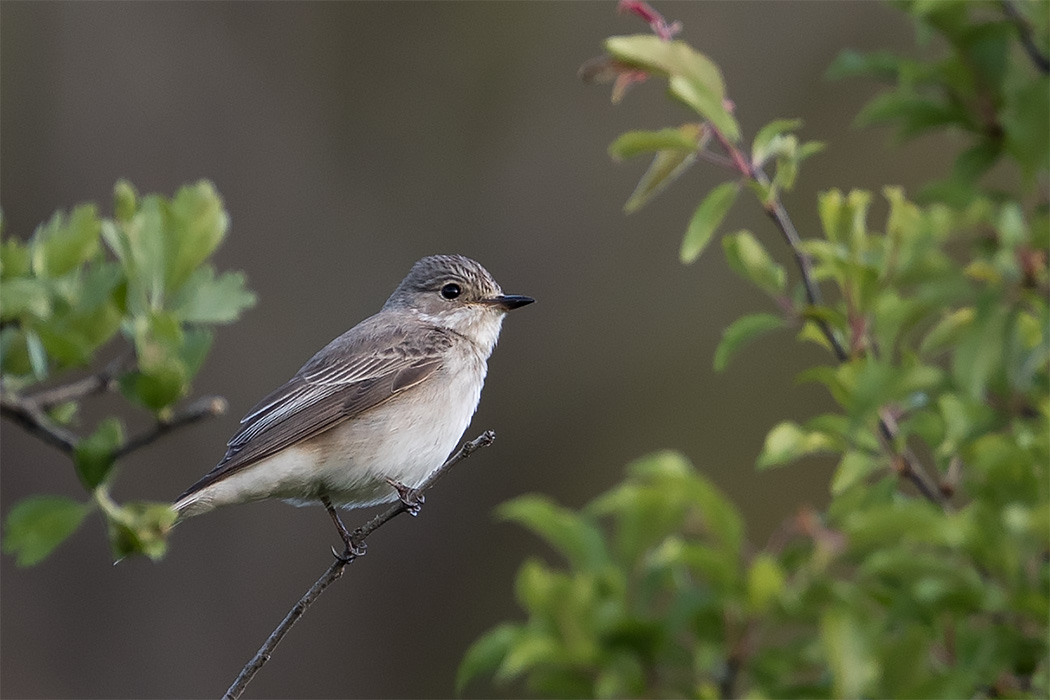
<point x="776" y="211"/>
<point x="82" y="388"/>
<point x="335" y="570"/>
<point x="204" y="407"/>
<point x="910" y="467"/>
<point x="1024" y="29"/>
<point x="30" y="416"/>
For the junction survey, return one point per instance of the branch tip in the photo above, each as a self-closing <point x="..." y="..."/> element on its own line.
<point x="335" y="569"/>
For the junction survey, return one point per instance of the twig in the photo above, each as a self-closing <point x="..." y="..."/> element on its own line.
<point x="335" y="571"/>
<point x="92" y="384"/>
<point x="734" y="663"/>
<point x="35" y="421"/>
<point x="204" y="407"/>
<point x="776" y="211"/>
<point x="1024" y="28"/>
<point x="910" y="467"/>
<point x="30" y="412"/>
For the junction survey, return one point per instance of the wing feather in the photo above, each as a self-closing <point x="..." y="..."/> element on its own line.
<point x="357" y="371"/>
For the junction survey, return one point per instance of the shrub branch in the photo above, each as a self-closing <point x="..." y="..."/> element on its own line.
<point x="30" y="411"/>
<point x="34" y="419"/>
<point x="335" y="570"/>
<point x="1024" y="29"/>
<point x="910" y="467"/>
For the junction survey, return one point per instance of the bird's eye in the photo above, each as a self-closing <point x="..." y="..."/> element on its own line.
<point x="451" y="290"/>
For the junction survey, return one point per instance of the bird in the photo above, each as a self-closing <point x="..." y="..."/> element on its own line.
<point x="370" y="416"/>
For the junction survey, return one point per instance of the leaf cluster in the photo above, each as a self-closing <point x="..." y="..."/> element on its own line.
<point x="80" y="285"/>
<point x="974" y="88"/>
<point x="928" y="575"/>
<point x="644" y="605"/>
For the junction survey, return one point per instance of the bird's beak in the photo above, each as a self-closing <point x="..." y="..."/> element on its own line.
<point x="508" y="301"/>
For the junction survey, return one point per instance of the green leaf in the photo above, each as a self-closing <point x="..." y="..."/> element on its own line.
<point x="162" y="376"/>
<point x="741" y="332"/>
<point x="750" y="260"/>
<point x="853" y="468"/>
<point x="915" y="114"/>
<point x="140" y="528"/>
<point x="139" y="245"/>
<point x="537" y="585"/>
<point x="38" y="524"/>
<point x="63" y="413"/>
<point x="765" y="582"/>
<point x="194" y="350"/>
<point x="986" y="48"/>
<point x="947" y="332"/>
<point x="694" y="78"/>
<point x="761" y="147"/>
<point x="898" y="522"/>
<point x="849" y="64"/>
<point x="157" y="389"/>
<point x="37" y="355"/>
<point x="486" y="653"/>
<point x="834" y="217"/>
<point x="667" y="58"/>
<point x="976" y="161"/>
<point x="571" y="534"/>
<point x="14" y="259"/>
<point x="979" y="354"/>
<point x="207" y="299"/>
<point x="706" y="219"/>
<point x="719" y="514"/>
<point x="94" y="454"/>
<point x="533" y="649"/>
<point x="810" y="148"/>
<point x="785" y="148"/>
<point x="23" y="297"/>
<point x="704" y="102"/>
<point x="1012" y="229"/>
<point x="666" y="167"/>
<point x="198" y="223"/>
<point x="868" y="384"/>
<point x="14" y="358"/>
<point x="853" y="668"/>
<point x="125" y="200"/>
<point x="663" y="491"/>
<point x="787" y="442"/>
<point x="1025" y="117"/>
<point x="633" y="143"/>
<point x="62" y="244"/>
<point x="65" y="347"/>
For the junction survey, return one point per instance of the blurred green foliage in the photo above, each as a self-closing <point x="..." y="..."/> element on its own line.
<point x="81" y="285"/>
<point x="928" y="575"/>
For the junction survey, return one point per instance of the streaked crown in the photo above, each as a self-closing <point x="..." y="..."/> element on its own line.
<point x="453" y="277"/>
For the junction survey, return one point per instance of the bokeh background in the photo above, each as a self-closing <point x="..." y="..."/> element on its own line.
<point x="348" y="140"/>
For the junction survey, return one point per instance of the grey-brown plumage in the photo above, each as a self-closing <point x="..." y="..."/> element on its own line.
<point x="387" y="400"/>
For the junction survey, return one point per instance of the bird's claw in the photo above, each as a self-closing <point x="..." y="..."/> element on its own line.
<point x="410" y="497"/>
<point x="353" y="551"/>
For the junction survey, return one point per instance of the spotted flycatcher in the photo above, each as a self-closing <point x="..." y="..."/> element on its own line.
<point x="371" y="415"/>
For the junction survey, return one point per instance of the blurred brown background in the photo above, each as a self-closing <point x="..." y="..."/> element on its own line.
<point x="350" y="139"/>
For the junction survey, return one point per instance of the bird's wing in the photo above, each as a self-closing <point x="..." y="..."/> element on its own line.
<point x="340" y="382"/>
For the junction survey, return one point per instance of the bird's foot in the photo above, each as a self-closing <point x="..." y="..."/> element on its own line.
<point x="353" y="551"/>
<point x="411" y="497"/>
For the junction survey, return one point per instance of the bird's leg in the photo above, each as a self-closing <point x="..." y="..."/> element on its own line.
<point x="353" y="549"/>
<point x="412" y="498"/>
